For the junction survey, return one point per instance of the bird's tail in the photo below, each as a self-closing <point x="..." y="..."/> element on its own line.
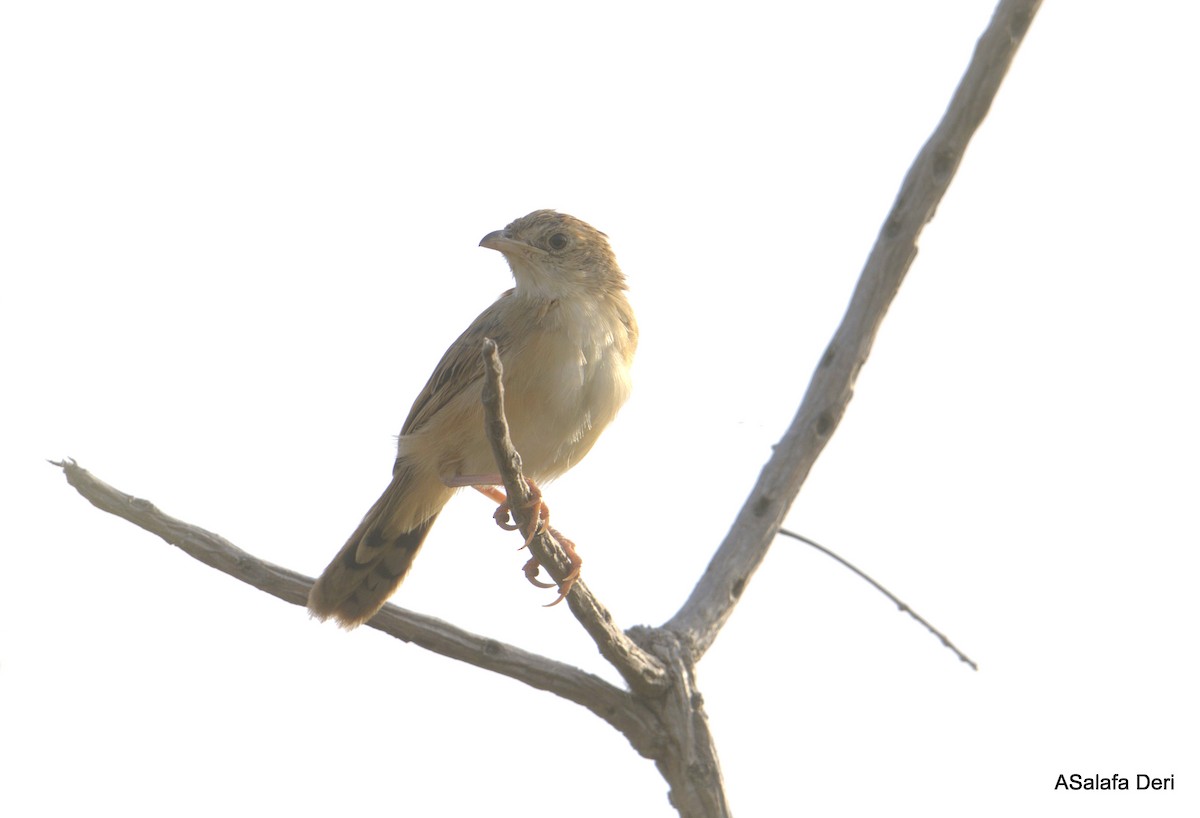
<point x="373" y="562"/>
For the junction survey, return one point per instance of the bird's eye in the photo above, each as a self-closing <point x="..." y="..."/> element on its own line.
<point x="558" y="241"/>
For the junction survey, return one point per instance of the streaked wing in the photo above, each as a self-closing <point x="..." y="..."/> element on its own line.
<point x="461" y="367"/>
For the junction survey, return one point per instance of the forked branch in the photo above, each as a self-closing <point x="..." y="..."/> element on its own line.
<point x="663" y="714"/>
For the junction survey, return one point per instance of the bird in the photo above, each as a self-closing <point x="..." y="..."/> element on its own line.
<point x="566" y="336"/>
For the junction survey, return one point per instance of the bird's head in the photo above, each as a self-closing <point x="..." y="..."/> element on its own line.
<point x="553" y="255"/>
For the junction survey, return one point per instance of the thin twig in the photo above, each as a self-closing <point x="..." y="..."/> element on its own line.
<point x="643" y="672"/>
<point x="901" y="604"/>
<point x="713" y="599"/>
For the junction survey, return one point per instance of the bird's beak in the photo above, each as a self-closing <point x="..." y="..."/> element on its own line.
<point x="496" y="240"/>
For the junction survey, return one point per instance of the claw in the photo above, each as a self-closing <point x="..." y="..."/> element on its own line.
<point x="539" y="511"/>
<point x="502" y="517"/>
<point x="564" y="587"/>
<point x="531" y="572"/>
<point x="503" y="514"/>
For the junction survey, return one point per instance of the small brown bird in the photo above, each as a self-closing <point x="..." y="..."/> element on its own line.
<point x="566" y="336"/>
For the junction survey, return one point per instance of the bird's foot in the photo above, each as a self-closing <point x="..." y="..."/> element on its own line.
<point x="539" y="511"/>
<point x="564" y="587"/>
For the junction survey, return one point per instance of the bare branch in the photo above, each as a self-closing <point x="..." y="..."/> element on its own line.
<point x="609" y="702"/>
<point x="714" y="597"/>
<point x="643" y="672"/>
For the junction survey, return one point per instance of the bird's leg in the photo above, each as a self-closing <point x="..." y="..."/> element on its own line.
<point x="502" y="511"/>
<point x="539" y="511"/>
<point x="486" y="484"/>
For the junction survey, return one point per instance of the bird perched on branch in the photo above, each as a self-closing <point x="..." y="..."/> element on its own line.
<point x="566" y="337"/>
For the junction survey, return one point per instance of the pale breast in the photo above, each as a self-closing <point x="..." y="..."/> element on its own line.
<point x="565" y="384"/>
<point x="566" y="374"/>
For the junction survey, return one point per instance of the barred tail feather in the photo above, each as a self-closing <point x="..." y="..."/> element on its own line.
<point x="374" y="561"/>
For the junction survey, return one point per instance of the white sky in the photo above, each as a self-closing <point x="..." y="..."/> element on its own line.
<point x="237" y="236"/>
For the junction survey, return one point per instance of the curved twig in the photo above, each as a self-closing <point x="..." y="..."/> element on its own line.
<point x="901" y="604"/>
